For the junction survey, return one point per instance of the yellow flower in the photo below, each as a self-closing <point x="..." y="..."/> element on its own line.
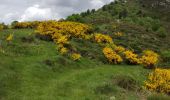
<point x="10" y="37"/>
<point x="75" y="56"/>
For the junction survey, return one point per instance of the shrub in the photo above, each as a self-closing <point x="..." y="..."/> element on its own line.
<point x="63" y="50"/>
<point x="162" y="32"/>
<point x="149" y="59"/>
<point x="75" y="17"/>
<point x="119" y="49"/>
<point x="159" y="81"/>
<point x="75" y="56"/>
<point x="112" y="56"/>
<point x="131" y="57"/>
<point x="101" y="38"/>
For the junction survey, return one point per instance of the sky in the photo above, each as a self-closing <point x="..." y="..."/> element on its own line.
<point x="30" y="10"/>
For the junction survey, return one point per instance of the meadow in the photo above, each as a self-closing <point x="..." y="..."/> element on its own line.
<point x="32" y="68"/>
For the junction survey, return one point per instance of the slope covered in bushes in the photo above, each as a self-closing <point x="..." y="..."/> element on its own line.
<point x="142" y="28"/>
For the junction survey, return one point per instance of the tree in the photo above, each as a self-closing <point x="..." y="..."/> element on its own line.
<point x="75" y="17"/>
<point x="93" y="11"/>
<point x="88" y="12"/>
<point x="123" y="14"/>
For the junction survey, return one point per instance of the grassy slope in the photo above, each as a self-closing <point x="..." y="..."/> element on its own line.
<point x="34" y="71"/>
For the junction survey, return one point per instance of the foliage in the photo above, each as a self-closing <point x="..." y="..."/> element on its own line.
<point x="138" y="24"/>
<point x="158" y="81"/>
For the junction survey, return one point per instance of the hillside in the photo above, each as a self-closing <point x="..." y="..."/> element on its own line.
<point x="32" y="69"/>
<point x="118" y="52"/>
<point x="144" y="26"/>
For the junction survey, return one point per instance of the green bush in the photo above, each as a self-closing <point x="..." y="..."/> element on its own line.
<point x="162" y="32"/>
<point x="1" y="27"/>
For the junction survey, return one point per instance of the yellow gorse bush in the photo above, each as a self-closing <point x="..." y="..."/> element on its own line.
<point x="149" y="58"/>
<point x="63" y="50"/>
<point x="73" y="29"/>
<point x="159" y="81"/>
<point x="9" y="38"/>
<point x="32" y="24"/>
<point x="112" y="56"/>
<point x="101" y="38"/>
<point x="63" y="32"/>
<point x="75" y="56"/>
<point x="131" y="57"/>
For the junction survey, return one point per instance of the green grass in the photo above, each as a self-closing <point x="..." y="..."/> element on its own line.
<point x="35" y="71"/>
